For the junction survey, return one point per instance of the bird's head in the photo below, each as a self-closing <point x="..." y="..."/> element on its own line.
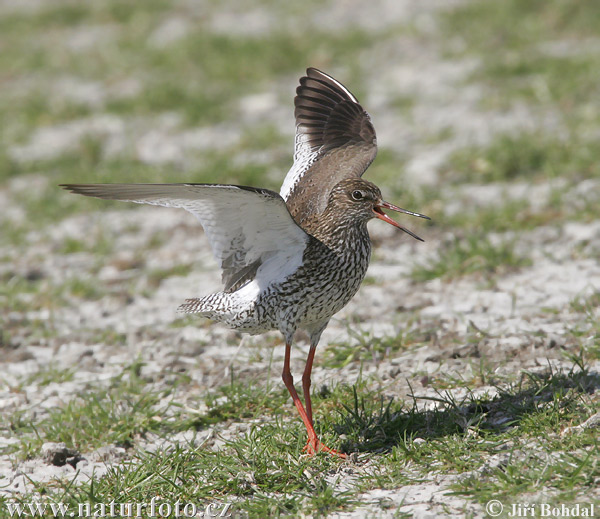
<point x="360" y="201"/>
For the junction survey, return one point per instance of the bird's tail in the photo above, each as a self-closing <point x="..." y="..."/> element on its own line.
<point x="221" y="306"/>
<point x="207" y="305"/>
<point x="192" y="306"/>
<point x="232" y="309"/>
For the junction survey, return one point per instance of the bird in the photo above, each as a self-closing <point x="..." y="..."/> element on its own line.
<point x="289" y="260"/>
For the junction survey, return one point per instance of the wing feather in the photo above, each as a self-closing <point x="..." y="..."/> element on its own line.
<point x="334" y="140"/>
<point x="246" y="227"/>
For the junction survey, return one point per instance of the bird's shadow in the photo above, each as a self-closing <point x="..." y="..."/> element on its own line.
<point x="377" y="426"/>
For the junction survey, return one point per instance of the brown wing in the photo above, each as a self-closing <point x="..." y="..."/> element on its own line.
<point x="334" y="140"/>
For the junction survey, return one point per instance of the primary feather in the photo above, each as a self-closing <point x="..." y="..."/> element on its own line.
<point x="334" y="140"/>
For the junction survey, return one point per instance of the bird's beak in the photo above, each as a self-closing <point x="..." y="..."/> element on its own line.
<point x="377" y="209"/>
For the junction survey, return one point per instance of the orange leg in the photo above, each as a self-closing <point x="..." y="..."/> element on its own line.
<point x="313" y="445"/>
<point x="306" y="382"/>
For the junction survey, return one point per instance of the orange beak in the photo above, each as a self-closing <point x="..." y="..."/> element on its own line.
<point x="382" y="216"/>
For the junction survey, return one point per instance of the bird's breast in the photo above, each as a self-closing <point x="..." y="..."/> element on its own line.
<point x="323" y="284"/>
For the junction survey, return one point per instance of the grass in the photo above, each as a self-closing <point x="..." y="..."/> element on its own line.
<point x="50" y="204"/>
<point x="100" y="245"/>
<point x="21" y="294"/>
<point x="260" y="474"/>
<point x="510" y="36"/>
<point x="512" y="215"/>
<point x="538" y="457"/>
<point x="364" y="347"/>
<point x="512" y="424"/>
<point x="512" y="40"/>
<point x="50" y="374"/>
<point x="587" y="333"/>
<point x="109" y="416"/>
<point x="527" y="156"/>
<point x="238" y="476"/>
<point x="475" y="254"/>
<point x="156" y="276"/>
<point x="240" y="400"/>
<point x="586" y="304"/>
<point x="174" y="76"/>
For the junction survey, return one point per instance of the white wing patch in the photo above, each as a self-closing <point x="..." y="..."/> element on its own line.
<point x="304" y="157"/>
<point x="243" y="225"/>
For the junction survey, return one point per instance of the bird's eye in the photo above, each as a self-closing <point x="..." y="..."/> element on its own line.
<point x="357" y="195"/>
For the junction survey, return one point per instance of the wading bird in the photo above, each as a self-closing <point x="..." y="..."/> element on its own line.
<point x="290" y="260"/>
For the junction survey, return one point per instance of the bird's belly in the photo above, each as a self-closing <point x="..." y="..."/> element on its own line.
<point x="311" y="295"/>
<point x="329" y="303"/>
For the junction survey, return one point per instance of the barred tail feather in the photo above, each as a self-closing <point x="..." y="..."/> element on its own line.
<point x="236" y="310"/>
<point x="219" y="302"/>
<point x="220" y="306"/>
<point x="193" y="306"/>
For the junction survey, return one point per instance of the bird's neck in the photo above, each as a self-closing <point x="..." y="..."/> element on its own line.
<point x="344" y="239"/>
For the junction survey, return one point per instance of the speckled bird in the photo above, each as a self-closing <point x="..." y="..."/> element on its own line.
<point x="291" y="260"/>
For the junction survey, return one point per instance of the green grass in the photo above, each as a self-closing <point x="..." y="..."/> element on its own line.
<point x="52" y="204"/>
<point x="463" y="433"/>
<point x="366" y="348"/>
<point x="509" y="36"/>
<point x="156" y="276"/>
<point x="587" y="333"/>
<point x="261" y="472"/>
<point x="112" y="416"/>
<point x="241" y="400"/>
<point x="475" y="254"/>
<point x="198" y="75"/>
<point x="512" y="215"/>
<point x="49" y="374"/>
<point x="107" y="336"/>
<point x="511" y="40"/>
<point x="247" y="474"/>
<point x="505" y="21"/>
<point x="586" y="304"/>
<point x="539" y="458"/>
<point x="531" y="157"/>
<point x="100" y="245"/>
<point x="34" y="292"/>
<point x="234" y="65"/>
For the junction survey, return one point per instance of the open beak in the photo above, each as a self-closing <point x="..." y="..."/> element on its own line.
<point x="382" y="216"/>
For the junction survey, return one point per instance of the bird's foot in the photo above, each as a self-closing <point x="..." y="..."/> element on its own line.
<point x="314" y="446"/>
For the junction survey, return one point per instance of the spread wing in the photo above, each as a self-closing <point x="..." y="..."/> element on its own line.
<point x="334" y="140"/>
<point x="245" y="226"/>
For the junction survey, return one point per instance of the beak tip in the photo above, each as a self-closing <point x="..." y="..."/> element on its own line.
<point x="382" y="216"/>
